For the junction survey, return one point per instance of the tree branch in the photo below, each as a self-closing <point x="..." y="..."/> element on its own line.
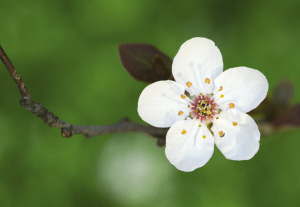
<point x="67" y="129"/>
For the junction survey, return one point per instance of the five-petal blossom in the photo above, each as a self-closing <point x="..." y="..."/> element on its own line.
<point x="202" y="94"/>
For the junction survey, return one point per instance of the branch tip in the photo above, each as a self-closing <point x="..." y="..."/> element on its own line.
<point x="67" y="132"/>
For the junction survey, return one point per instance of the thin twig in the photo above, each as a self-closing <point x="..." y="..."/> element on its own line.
<point x="15" y="75"/>
<point x="67" y="130"/>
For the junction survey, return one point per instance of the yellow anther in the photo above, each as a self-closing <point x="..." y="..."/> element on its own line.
<point x="217" y="118"/>
<point x="180" y="113"/>
<point x="183" y="132"/>
<point x="234" y="123"/>
<point x="222" y="96"/>
<point x="207" y="80"/>
<point x="205" y="99"/>
<point x="221" y="88"/>
<point x="219" y="112"/>
<point x="201" y="94"/>
<point x="208" y="112"/>
<point x="183" y="96"/>
<point x="231" y="105"/>
<point x="200" y="125"/>
<point x="221" y="133"/>
<point x="189" y="84"/>
<point x="189" y="106"/>
<point x="204" y="136"/>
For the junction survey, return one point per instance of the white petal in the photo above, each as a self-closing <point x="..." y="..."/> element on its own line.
<point x="196" y="60"/>
<point x="240" y="142"/>
<point x="245" y="87"/>
<point x="189" y="151"/>
<point x="160" y="102"/>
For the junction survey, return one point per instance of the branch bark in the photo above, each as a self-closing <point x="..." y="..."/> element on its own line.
<point x="67" y="129"/>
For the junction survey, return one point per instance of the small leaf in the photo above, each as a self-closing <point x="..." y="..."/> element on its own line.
<point x="145" y="62"/>
<point x="283" y="93"/>
<point x="264" y="111"/>
<point x="289" y="117"/>
<point x="160" y="70"/>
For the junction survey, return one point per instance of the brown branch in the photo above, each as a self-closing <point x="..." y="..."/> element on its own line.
<point x="15" y="75"/>
<point x="67" y="130"/>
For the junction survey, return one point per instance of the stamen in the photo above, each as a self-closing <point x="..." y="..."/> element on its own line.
<point x="217" y="118"/>
<point x="201" y="94"/>
<point x="221" y="88"/>
<point x="221" y="133"/>
<point x="183" y="96"/>
<point x="203" y="108"/>
<point x="207" y="80"/>
<point x="189" y="84"/>
<point x="180" y="113"/>
<point x="234" y="123"/>
<point x="200" y="125"/>
<point x="222" y="96"/>
<point x="231" y="105"/>
<point x="183" y="132"/>
<point x="189" y="106"/>
<point x="204" y="136"/>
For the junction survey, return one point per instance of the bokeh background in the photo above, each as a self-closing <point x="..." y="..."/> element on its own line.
<point x="66" y="53"/>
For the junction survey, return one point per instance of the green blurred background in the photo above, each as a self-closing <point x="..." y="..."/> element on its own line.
<point x="66" y="53"/>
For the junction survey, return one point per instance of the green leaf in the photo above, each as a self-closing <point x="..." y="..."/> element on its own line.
<point x="145" y="62"/>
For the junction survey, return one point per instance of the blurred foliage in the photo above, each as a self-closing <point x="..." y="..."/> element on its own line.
<point x="66" y="53"/>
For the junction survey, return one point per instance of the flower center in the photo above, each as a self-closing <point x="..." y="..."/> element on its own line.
<point x="203" y="108"/>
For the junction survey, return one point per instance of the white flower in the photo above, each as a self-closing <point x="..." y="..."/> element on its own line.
<point x="222" y="98"/>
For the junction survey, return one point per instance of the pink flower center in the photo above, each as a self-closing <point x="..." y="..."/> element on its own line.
<point x="204" y="108"/>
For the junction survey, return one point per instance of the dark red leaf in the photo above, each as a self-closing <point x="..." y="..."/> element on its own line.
<point x="283" y="93"/>
<point x="265" y="110"/>
<point x="145" y="62"/>
<point x="160" y="70"/>
<point x="288" y="117"/>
